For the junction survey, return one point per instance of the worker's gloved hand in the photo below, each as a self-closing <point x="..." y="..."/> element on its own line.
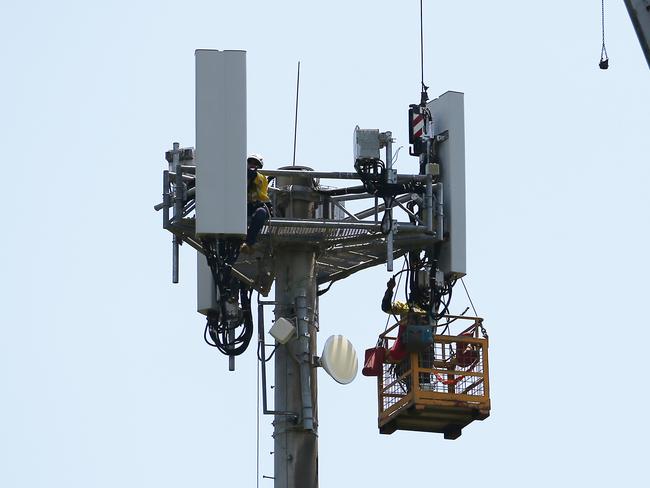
<point x="391" y="283"/>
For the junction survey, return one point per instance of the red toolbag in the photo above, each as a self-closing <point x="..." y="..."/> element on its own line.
<point x="372" y="366"/>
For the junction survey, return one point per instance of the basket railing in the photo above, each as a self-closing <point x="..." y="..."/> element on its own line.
<point x="452" y="370"/>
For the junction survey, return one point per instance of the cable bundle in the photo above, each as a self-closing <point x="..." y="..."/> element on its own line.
<point x="229" y="327"/>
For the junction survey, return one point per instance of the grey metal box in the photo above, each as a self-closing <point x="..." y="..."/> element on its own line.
<point x="206" y="297"/>
<point x="448" y="111"/>
<point x="366" y="143"/>
<point x="220" y="143"/>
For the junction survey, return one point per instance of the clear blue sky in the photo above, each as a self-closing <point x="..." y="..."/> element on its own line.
<point x="104" y="377"/>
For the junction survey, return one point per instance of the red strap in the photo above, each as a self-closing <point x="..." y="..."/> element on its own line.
<point x="448" y="382"/>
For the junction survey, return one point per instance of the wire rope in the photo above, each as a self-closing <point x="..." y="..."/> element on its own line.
<point x="257" y="441"/>
<point x="422" y="50"/>
<point x="470" y="298"/>
<point x="604" y="60"/>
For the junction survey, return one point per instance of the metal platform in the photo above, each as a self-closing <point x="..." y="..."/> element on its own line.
<point x="342" y="249"/>
<point x="344" y="245"/>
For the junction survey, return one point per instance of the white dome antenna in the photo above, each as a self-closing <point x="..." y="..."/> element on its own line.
<point x="339" y="359"/>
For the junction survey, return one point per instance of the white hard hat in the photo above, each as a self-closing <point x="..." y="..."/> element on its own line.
<point x="256" y="158"/>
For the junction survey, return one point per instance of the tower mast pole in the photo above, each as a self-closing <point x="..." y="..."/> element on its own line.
<point x="296" y="441"/>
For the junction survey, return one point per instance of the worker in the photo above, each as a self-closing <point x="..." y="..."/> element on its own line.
<point x="409" y="314"/>
<point x="258" y="203"/>
<point x="398" y="351"/>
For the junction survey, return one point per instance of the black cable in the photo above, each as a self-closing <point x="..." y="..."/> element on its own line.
<point x="387" y="219"/>
<point x="399" y="273"/>
<point x="219" y="333"/>
<point x="451" y="321"/>
<point x="261" y="356"/>
<point x="373" y="176"/>
<point x="275" y="348"/>
<point x="322" y="292"/>
<point x="205" y="334"/>
<point x="220" y="255"/>
<point x="404" y="270"/>
<point x="445" y="309"/>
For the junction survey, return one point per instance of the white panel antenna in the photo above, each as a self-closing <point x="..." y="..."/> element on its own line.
<point x="448" y="111"/>
<point x="283" y="330"/>
<point x="220" y="143"/>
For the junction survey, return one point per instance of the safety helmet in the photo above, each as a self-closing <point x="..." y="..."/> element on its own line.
<point x="257" y="159"/>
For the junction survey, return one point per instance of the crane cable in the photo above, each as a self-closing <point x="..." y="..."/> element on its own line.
<point x="424" y="96"/>
<point x="469" y="298"/>
<point x="604" y="60"/>
<point x="257" y="433"/>
<point x="480" y="323"/>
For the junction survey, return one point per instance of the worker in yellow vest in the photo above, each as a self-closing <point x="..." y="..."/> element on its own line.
<point x="257" y="201"/>
<point x="398" y="351"/>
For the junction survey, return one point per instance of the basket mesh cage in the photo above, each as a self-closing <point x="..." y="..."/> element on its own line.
<point x="452" y="369"/>
<point x="396" y="382"/>
<point x="446" y="373"/>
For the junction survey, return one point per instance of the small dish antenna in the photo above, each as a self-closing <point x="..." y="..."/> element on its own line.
<point x="339" y="359"/>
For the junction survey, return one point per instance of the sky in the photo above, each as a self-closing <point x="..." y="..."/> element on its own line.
<point x="104" y="376"/>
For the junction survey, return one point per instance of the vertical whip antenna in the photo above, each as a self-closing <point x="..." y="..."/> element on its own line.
<point x="295" y="120"/>
<point x="424" y="97"/>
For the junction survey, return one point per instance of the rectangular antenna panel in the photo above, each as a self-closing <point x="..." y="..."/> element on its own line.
<point x="220" y="143"/>
<point x="206" y="294"/>
<point x="448" y="111"/>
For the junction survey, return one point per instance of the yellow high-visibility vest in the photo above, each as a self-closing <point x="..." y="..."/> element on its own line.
<point x="258" y="190"/>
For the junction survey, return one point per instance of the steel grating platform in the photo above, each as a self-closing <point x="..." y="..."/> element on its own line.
<point x="342" y="247"/>
<point x="341" y="251"/>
